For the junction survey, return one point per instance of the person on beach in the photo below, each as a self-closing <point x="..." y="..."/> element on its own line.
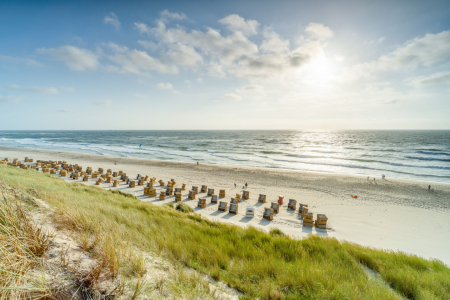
<point x="382" y="176"/>
<point x="246" y="185"/>
<point x="429" y="187"/>
<point x="115" y="162"/>
<point x="235" y="185"/>
<point x="197" y="163"/>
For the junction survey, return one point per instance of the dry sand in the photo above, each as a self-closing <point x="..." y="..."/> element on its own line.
<point x="389" y="214"/>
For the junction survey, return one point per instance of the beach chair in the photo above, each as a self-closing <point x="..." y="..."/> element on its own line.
<point x="30" y="160"/>
<point x="250" y="212"/>
<point x="275" y="206"/>
<point x="100" y="170"/>
<point x="234" y="200"/>
<point x="280" y="199"/>
<point x="116" y="183"/>
<point x="233" y="208"/>
<point x="321" y="221"/>
<point x="223" y="206"/>
<point x="238" y="197"/>
<point x="150" y="184"/>
<point x="169" y="191"/>
<point x="292" y="204"/>
<point x="191" y="195"/>
<point x="99" y="181"/>
<point x="245" y="195"/>
<point x="305" y="210"/>
<point x="201" y="202"/>
<point x="120" y="172"/>
<point x="53" y="171"/>
<point x="45" y="170"/>
<point x="268" y="213"/>
<point x="308" y="219"/>
<point x="86" y="178"/>
<point x="301" y="206"/>
<point x="82" y="173"/>
<point x="141" y="181"/>
<point x="132" y="184"/>
<point x="177" y="190"/>
<point x="178" y="197"/>
<point x="203" y="190"/>
<point x="162" y="196"/>
<point x="262" y="198"/>
<point x="183" y="187"/>
<point x="214" y="199"/>
<point x="109" y="179"/>
<point x="210" y="192"/>
<point x="221" y="193"/>
<point x="115" y="174"/>
<point x="161" y="183"/>
<point x="151" y="192"/>
<point x="70" y="169"/>
<point x="94" y="175"/>
<point x="195" y="189"/>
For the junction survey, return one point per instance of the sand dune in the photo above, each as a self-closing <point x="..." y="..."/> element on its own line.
<point x="390" y="214"/>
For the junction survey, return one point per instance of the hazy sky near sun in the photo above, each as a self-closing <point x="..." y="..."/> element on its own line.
<point x="225" y="65"/>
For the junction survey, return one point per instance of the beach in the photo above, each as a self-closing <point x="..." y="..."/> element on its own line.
<point x="391" y="214"/>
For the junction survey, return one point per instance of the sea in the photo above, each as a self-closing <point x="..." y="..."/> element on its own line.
<point x="417" y="155"/>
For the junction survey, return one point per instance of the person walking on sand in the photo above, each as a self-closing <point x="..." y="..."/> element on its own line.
<point x="246" y="185"/>
<point x="429" y="187"/>
<point x="235" y="185"/>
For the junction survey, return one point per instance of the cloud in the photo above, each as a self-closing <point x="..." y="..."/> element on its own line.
<point x="165" y="14"/>
<point x="112" y="19"/>
<point x="75" y="58"/>
<point x="273" y="42"/>
<point x="182" y="55"/>
<point x="436" y="78"/>
<point x="378" y="41"/>
<point x="199" y="80"/>
<point x="164" y="86"/>
<point x="67" y="89"/>
<point x="26" y="61"/>
<point x="250" y="89"/>
<point x="319" y="31"/>
<point x="143" y="28"/>
<point x="34" y="89"/>
<point x="148" y="45"/>
<point x="232" y="96"/>
<point x="63" y="110"/>
<point x="135" y="61"/>
<point x="9" y="99"/>
<point x="103" y="102"/>
<point x="421" y="51"/>
<point x="236" y="23"/>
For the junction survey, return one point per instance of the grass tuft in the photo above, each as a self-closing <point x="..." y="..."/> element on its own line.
<point x="183" y="207"/>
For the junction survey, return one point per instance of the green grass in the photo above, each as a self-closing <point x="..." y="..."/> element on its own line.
<point x="268" y="266"/>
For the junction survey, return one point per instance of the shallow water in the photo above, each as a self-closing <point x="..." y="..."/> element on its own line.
<point x="417" y="155"/>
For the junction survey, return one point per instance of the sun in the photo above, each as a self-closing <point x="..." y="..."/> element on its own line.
<point x="319" y="71"/>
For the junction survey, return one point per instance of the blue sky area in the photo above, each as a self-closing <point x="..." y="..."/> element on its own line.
<point x="224" y="65"/>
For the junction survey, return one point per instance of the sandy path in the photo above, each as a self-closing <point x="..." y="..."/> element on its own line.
<point x="389" y="214"/>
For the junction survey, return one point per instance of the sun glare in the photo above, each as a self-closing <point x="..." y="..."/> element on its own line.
<point x="319" y="71"/>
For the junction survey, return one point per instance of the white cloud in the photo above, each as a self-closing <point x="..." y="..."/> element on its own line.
<point x="27" y="61"/>
<point x="143" y="28"/>
<point x="135" y="61"/>
<point x="273" y="42"/>
<point x="34" y="89"/>
<point x="112" y="19"/>
<point x="75" y="58"/>
<point x="103" y="102"/>
<point x="67" y="89"/>
<point x="319" y="31"/>
<point x="237" y="23"/>
<point x="250" y="89"/>
<point x="148" y="45"/>
<point x="199" y="80"/>
<point x="63" y="110"/>
<point x="215" y="70"/>
<point x="183" y="55"/>
<point x="436" y="78"/>
<point x="9" y="99"/>
<point x="424" y="51"/>
<point x="117" y="48"/>
<point x="164" y="86"/>
<point x="187" y="81"/>
<point x="232" y="96"/>
<point x="165" y="14"/>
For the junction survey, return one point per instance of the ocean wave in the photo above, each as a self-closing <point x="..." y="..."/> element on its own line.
<point x="428" y="158"/>
<point x="434" y="153"/>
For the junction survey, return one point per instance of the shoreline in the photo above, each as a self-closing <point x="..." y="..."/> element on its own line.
<point x="378" y="177"/>
<point x="392" y="214"/>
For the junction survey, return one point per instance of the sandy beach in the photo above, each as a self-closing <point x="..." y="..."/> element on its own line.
<point x="389" y="214"/>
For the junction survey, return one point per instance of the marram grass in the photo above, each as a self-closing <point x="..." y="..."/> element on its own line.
<point x="261" y="265"/>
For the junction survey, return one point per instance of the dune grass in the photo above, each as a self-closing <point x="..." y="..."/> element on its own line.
<point x="268" y="266"/>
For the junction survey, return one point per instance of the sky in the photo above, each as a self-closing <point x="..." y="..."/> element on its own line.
<point x="128" y="65"/>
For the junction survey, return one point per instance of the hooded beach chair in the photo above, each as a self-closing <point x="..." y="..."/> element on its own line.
<point x="245" y="195"/>
<point x="116" y="183"/>
<point x="191" y="195"/>
<point x="292" y="204"/>
<point x="222" y="194"/>
<point x="204" y="188"/>
<point x="201" y="203"/>
<point x="308" y="219"/>
<point x="178" y="197"/>
<point x="214" y="199"/>
<point x="233" y="200"/>
<point x="250" y="212"/>
<point x="262" y="198"/>
<point x="183" y="187"/>
<point x="268" y="213"/>
<point x="275" y="206"/>
<point x="86" y="178"/>
<point x="223" y="206"/>
<point x="132" y="184"/>
<point x="162" y="196"/>
<point x="195" y="189"/>
<point x="233" y="208"/>
<point x="210" y="192"/>
<point x="321" y="221"/>
<point x="238" y="197"/>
